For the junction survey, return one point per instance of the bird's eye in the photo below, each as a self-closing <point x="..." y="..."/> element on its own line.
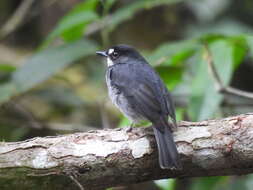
<point x="115" y="55"/>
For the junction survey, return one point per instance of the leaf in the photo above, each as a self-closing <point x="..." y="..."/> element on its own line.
<point x="165" y="184"/>
<point x="7" y="67"/>
<point x="108" y="5"/>
<point x="180" y="114"/>
<point x="238" y="42"/>
<point x="233" y="183"/>
<point x="208" y="183"/>
<point x="227" y="27"/>
<point x="240" y="49"/>
<point x="171" y="75"/>
<point x="71" y="27"/>
<point x="209" y="38"/>
<point x="127" y="12"/>
<point x="44" y="64"/>
<point x="205" y="99"/>
<point x="173" y="53"/>
<point x="249" y="40"/>
<point x="71" y="23"/>
<point x="181" y="57"/>
<point x="85" y="6"/>
<point x="124" y="122"/>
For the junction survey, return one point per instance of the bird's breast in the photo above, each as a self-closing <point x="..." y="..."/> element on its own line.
<point x="120" y="100"/>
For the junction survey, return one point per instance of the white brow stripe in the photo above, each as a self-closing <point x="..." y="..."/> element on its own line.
<point x="110" y="51"/>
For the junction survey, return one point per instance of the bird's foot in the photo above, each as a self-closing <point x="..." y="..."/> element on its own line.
<point x="128" y="129"/>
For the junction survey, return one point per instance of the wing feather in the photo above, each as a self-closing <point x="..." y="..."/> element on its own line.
<point x="147" y="93"/>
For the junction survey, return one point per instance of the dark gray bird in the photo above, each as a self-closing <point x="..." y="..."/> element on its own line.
<point x="140" y="94"/>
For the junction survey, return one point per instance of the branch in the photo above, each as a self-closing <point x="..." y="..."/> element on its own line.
<point x="218" y="82"/>
<point x="100" y="159"/>
<point x="16" y="19"/>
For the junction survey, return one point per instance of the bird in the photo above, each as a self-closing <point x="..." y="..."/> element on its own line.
<point x="137" y="90"/>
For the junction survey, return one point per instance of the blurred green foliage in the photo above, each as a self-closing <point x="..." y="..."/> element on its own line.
<point x="165" y="184"/>
<point x="72" y="26"/>
<point x="43" y="65"/>
<point x="74" y="93"/>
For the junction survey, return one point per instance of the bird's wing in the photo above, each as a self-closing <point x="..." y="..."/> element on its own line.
<point x="144" y="89"/>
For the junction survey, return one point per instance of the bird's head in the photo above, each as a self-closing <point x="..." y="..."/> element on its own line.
<point x="121" y="54"/>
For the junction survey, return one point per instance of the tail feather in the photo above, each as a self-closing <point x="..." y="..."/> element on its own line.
<point x="168" y="154"/>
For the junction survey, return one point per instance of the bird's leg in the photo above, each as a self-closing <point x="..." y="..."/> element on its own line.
<point x="128" y="129"/>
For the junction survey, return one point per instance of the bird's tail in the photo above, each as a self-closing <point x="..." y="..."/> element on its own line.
<point x="168" y="154"/>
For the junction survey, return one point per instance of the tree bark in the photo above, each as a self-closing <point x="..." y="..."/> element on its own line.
<point x="105" y="158"/>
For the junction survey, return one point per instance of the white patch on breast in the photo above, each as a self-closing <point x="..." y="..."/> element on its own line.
<point x="109" y="62"/>
<point x="110" y="51"/>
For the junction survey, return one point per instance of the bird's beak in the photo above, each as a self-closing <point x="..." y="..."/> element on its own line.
<point x="102" y="53"/>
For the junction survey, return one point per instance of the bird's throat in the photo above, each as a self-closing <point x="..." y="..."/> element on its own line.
<point x="109" y="62"/>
